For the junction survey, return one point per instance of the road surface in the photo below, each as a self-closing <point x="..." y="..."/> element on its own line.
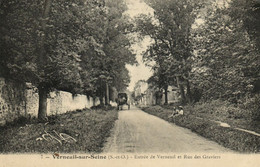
<point x="138" y="132"/>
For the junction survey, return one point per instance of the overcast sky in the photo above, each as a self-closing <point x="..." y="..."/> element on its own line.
<point x="139" y="72"/>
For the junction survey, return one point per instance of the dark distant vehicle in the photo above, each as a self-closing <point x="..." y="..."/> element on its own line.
<point x="122" y="100"/>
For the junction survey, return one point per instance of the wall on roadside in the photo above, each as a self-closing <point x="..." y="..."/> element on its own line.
<point x="172" y="97"/>
<point x="149" y="97"/>
<point x="12" y="100"/>
<point x="18" y="99"/>
<point x="61" y="102"/>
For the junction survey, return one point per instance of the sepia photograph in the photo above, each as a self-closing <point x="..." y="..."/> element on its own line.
<point x="129" y="83"/>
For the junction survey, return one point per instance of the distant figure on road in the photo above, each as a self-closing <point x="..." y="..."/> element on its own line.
<point x="122" y="100"/>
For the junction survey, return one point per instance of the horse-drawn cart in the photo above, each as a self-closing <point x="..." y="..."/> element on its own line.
<point x="122" y="100"/>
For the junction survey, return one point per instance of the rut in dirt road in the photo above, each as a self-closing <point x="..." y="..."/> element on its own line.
<point x="136" y="132"/>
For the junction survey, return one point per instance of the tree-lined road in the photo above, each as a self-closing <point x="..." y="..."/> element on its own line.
<point x="136" y="131"/>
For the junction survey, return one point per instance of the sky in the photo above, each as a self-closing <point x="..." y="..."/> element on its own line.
<point x="139" y="72"/>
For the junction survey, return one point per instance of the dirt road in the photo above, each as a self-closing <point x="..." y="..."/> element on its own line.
<point x="137" y="132"/>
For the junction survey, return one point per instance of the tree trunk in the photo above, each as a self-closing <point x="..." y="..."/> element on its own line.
<point x="101" y="92"/>
<point x="43" y="24"/>
<point x="101" y="99"/>
<point x="107" y="100"/>
<point x="158" y="97"/>
<point x="181" y="89"/>
<point x="166" y="94"/>
<point x="94" y="101"/>
<point x="188" y="92"/>
<point x="42" y="111"/>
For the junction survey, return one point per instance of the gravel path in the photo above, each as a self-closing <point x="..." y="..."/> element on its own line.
<point x="138" y="132"/>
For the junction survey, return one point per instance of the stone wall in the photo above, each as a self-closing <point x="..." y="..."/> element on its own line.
<point x="172" y="97"/>
<point x="18" y="99"/>
<point x="61" y="102"/>
<point x="31" y="100"/>
<point x="12" y="100"/>
<point x="149" y="97"/>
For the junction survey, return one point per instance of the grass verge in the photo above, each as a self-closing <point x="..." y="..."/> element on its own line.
<point x="228" y="137"/>
<point x="89" y="128"/>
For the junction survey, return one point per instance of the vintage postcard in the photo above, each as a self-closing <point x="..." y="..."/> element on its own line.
<point x="129" y="83"/>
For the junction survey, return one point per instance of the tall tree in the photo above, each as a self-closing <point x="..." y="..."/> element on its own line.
<point x="41" y="42"/>
<point x="106" y="66"/>
<point x="170" y="28"/>
<point x="225" y="66"/>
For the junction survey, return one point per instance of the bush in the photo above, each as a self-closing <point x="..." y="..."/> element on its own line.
<point x="102" y="107"/>
<point x="253" y="105"/>
<point x="21" y="120"/>
<point x="220" y="109"/>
